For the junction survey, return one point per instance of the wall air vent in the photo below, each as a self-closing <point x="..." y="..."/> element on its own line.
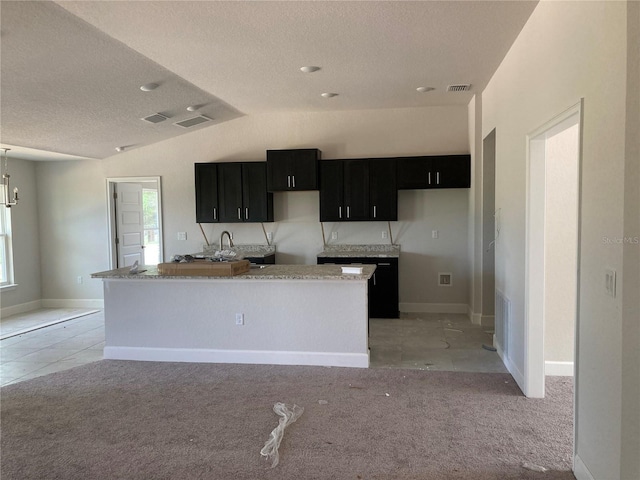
<point x="461" y="87"/>
<point x="192" y="122"/>
<point x="155" y="118"/>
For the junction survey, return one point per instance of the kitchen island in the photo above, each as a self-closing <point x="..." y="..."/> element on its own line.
<point x="278" y="314"/>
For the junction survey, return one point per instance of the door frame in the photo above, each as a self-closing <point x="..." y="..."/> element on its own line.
<point x="111" y="182"/>
<point x="534" y="363"/>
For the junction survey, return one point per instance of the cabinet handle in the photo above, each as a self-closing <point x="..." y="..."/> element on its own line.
<point x="239" y="213"/>
<point x="288" y="181"/>
<point x="429" y="178"/>
<point x="384" y="264"/>
<point x="293" y="181"/>
<point x="374" y="211"/>
<point x="374" y="279"/>
<point x="437" y="178"/>
<point x="246" y="213"/>
<point x="215" y="213"/>
<point x="339" y="212"/>
<point x="348" y="213"/>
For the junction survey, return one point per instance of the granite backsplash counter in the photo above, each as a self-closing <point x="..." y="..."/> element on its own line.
<point x="373" y="251"/>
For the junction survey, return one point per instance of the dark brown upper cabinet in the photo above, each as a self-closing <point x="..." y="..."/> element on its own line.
<point x="441" y="171"/>
<point x="358" y="190"/>
<point x="232" y="192"/>
<point x="292" y="170"/>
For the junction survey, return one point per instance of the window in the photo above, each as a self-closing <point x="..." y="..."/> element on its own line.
<point x="6" y="257"/>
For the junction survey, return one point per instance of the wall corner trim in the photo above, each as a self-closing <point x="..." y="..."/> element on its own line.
<point x="580" y="470"/>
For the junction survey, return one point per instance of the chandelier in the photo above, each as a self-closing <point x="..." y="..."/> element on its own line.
<point x="6" y="199"/>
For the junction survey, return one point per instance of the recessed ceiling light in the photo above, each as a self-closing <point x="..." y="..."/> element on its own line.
<point x="147" y="87"/>
<point x="425" y="89"/>
<point x="329" y="95"/>
<point x="309" y="69"/>
<point x="120" y="149"/>
<point x="193" y="108"/>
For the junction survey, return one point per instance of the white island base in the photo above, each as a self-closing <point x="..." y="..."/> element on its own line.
<point x="284" y="321"/>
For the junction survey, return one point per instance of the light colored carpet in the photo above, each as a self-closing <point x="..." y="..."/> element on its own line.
<point x="147" y="420"/>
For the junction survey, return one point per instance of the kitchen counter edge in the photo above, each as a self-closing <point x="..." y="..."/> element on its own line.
<point x="269" y="272"/>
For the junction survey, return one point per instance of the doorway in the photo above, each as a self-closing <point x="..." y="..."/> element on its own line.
<point x="135" y="221"/>
<point x="552" y="249"/>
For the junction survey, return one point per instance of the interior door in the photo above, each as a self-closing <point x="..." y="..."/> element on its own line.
<point x="130" y="224"/>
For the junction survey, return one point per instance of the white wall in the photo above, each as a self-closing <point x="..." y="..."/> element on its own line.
<point x="561" y="245"/>
<point x="630" y="411"/>
<point x="26" y="246"/>
<point x="72" y="208"/>
<point x="566" y="51"/>
<point x="74" y="198"/>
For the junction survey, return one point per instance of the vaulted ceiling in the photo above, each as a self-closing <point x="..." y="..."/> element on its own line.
<point x="71" y="71"/>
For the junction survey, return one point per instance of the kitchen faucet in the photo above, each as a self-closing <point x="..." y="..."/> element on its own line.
<point x="222" y="237"/>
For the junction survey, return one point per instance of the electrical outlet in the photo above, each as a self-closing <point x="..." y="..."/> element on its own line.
<point x="445" y="279"/>
<point x="334" y="235"/>
<point x="434" y="233"/>
<point x="182" y="235"/>
<point x="384" y="234"/>
<point x="239" y="318"/>
<point x="79" y="280"/>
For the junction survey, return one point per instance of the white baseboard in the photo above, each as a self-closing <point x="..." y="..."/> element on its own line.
<point x="558" y="369"/>
<point x="357" y="360"/>
<point x="580" y="470"/>
<point x="21" y="308"/>
<point x="513" y="370"/>
<point x="482" y="320"/>
<point x="434" y="308"/>
<point x="73" y="303"/>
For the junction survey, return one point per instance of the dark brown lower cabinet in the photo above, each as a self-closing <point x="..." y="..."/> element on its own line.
<point x="383" y="285"/>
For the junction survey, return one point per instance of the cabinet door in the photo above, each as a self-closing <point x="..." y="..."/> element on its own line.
<point x="257" y="203"/>
<point x="295" y="169"/>
<point x="413" y="172"/>
<point x="444" y="171"/>
<point x="279" y="170"/>
<point x="230" y="192"/>
<point x="383" y="290"/>
<point x="452" y="171"/>
<point x="331" y="191"/>
<point x="383" y="191"/>
<point x="206" y="179"/>
<point x="356" y="190"/>
<point x="305" y="169"/>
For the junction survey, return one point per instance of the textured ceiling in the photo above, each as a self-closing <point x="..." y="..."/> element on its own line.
<point x="71" y="71"/>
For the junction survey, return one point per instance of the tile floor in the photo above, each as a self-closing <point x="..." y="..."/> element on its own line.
<point x="51" y="349"/>
<point x="432" y="341"/>
<point x="414" y="341"/>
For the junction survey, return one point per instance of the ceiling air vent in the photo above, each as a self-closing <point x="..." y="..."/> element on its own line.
<point x="155" y="118"/>
<point x="192" y="122"/>
<point x="461" y="87"/>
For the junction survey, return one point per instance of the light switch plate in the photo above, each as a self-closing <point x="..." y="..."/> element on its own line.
<point x="182" y="235"/>
<point x="434" y="234"/>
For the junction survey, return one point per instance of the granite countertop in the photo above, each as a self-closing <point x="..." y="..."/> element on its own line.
<point x="375" y="250"/>
<point x="269" y="272"/>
